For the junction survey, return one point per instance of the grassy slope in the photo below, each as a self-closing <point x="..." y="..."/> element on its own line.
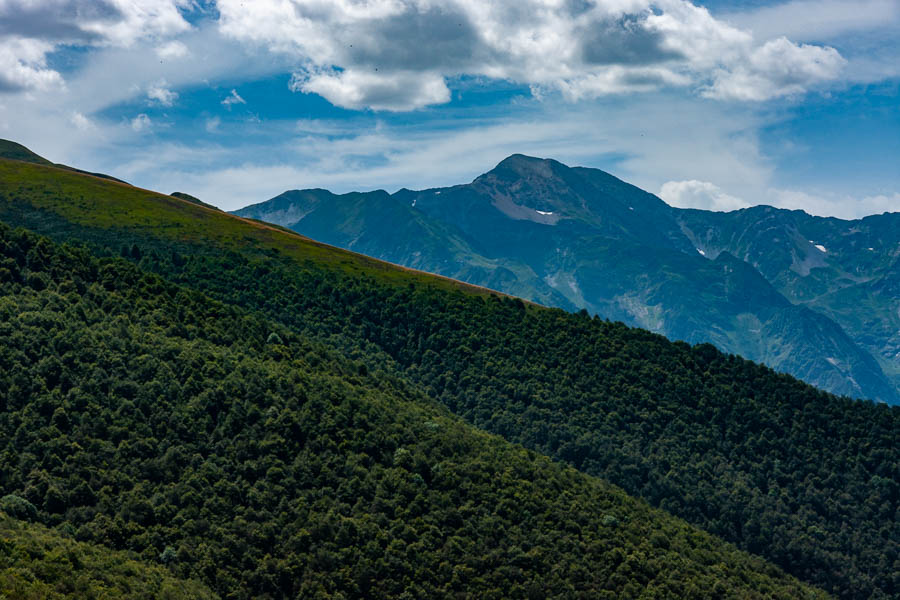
<point x="37" y="563"/>
<point x="14" y="151"/>
<point x="92" y="202"/>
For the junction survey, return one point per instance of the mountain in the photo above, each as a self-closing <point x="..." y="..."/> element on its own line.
<point x="845" y="270"/>
<point x="141" y="414"/>
<point x="390" y="356"/>
<point x="751" y="282"/>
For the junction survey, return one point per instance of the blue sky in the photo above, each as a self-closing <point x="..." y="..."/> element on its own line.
<point x="717" y="105"/>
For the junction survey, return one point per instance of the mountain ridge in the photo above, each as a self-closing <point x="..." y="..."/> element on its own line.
<point x="537" y="228"/>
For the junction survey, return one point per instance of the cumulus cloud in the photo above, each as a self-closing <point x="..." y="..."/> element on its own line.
<point x="699" y="194"/>
<point x="233" y="98"/>
<point x="160" y="93"/>
<point x="172" y="50"/>
<point x="778" y="68"/>
<point x="115" y="22"/>
<point x="81" y="122"/>
<point x="398" y="54"/>
<point x="32" y="29"/>
<point x="397" y="91"/>
<point x="141" y="123"/>
<point x="23" y="65"/>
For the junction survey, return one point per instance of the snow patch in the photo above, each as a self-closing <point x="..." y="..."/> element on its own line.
<point x="833" y="361"/>
<point x="820" y="247"/>
<point x="414" y="201"/>
<point x="702" y="253"/>
<point x="542" y="212"/>
<point x="437" y="193"/>
<point x="871" y="249"/>
<point x="630" y="208"/>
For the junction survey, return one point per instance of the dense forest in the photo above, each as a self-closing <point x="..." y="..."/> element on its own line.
<point x="802" y="478"/>
<point x="808" y="480"/>
<point x="145" y="417"/>
<point x="37" y="563"/>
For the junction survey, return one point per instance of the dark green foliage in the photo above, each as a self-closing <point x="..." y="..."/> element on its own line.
<point x="763" y="460"/>
<point x="146" y="417"/>
<point x="18" y="507"/>
<point x="37" y="563"/>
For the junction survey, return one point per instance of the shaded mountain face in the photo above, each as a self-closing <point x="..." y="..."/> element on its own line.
<point x="806" y="295"/>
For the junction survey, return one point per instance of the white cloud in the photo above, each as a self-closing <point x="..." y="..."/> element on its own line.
<point x="817" y="20"/>
<point x="212" y="125"/>
<point x="172" y="50"/>
<point x="141" y="123"/>
<point x="162" y="94"/>
<point x="32" y="29"/>
<point x="397" y="54"/>
<point x="699" y="194"/>
<point x="23" y="65"/>
<point x="399" y="91"/>
<point x="778" y="68"/>
<point x="233" y="98"/>
<point x="132" y="20"/>
<point x="835" y="205"/>
<point x="81" y="122"/>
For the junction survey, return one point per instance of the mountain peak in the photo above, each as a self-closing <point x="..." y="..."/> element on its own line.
<point x="521" y="164"/>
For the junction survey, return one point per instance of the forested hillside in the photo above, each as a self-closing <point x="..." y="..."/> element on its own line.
<point x="803" y="478"/>
<point x="37" y="563"/>
<point x="144" y="416"/>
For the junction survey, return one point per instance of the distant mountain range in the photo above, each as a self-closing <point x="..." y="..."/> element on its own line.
<point x="818" y="298"/>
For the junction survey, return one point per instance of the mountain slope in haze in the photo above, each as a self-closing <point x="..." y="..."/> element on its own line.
<point x="141" y="415"/>
<point x="845" y="270"/>
<point x="580" y="238"/>
<point x="807" y="480"/>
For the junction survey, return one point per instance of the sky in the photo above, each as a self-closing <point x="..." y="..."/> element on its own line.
<point x="717" y="105"/>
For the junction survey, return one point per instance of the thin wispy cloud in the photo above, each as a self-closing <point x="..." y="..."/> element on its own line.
<point x="233" y="98"/>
